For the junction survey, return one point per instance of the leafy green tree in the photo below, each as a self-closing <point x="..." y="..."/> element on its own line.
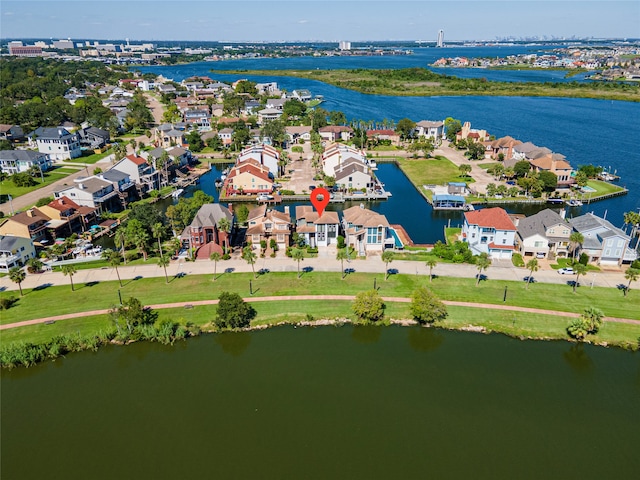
<point x="215" y="257"/>
<point x="465" y="169"/>
<point x="368" y="306"/>
<point x="294" y="108"/>
<point x="631" y="274"/>
<point x="579" y="270"/>
<point x="139" y="116"/>
<point x="163" y="261"/>
<point x="194" y="140"/>
<point x="214" y="143"/>
<point x="113" y="259"/>
<point x="246" y="86"/>
<point x="405" y="127"/>
<point x="69" y="270"/>
<point x="341" y="256"/>
<point x="233" y="311"/>
<point x="532" y="266"/>
<point x="482" y="264"/>
<point x="318" y="117"/>
<point x="452" y="127"/>
<point x="431" y="263"/>
<point x="242" y="213"/>
<point x="240" y="136"/>
<point x="121" y="240"/>
<point x="138" y="236"/>
<point x="232" y="103"/>
<point x="133" y="313"/>
<point x="549" y="180"/>
<point x="337" y="118"/>
<point x="297" y="255"/>
<point x="23" y="179"/>
<point x="387" y="258"/>
<point x="17" y="275"/>
<point x="275" y="130"/>
<point x="250" y="257"/>
<point x="521" y="168"/>
<point x="633" y="219"/>
<point x="426" y="307"/>
<point x="475" y="151"/>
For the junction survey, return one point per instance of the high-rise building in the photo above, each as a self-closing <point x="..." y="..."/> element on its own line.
<point x="440" y="42"/>
<point x="344" y="45"/>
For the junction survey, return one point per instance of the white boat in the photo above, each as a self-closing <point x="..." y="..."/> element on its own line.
<point x="177" y="193"/>
<point x="574" y="203"/>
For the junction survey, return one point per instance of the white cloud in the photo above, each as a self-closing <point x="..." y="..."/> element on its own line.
<point x="303" y="21"/>
<point x="8" y="13"/>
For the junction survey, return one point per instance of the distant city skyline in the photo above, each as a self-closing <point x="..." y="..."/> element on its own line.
<point x="312" y="20"/>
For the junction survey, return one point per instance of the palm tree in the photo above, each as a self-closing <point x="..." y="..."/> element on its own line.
<point x="163" y="261"/>
<point x="216" y="257"/>
<point x="17" y="275"/>
<point x="224" y="225"/>
<point x="631" y="274"/>
<point x="297" y="255"/>
<point x="250" y="257"/>
<point x="114" y="260"/>
<point x="576" y="239"/>
<point x="69" y="270"/>
<point x="157" y="231"/>
<point x="342" y="255"/>
<point x="34" y="265"/>
<point x="532" y="266"/>
<point x="482" y="263"/>
<point x="121" y="241"/>
<point x="140" y="240"/>
<point x="431" y="263"/>
<point x="387" y="258"/>
<point x="579" y="270"/>
<point x="593" y="318"/>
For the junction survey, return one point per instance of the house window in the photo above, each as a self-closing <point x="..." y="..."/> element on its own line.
<point x="483" y="239"/>
<point x="473" y="235"/>
<point x="504" y="241"/>
<point x="618" y="252"/>
<point x="607" y="252"/>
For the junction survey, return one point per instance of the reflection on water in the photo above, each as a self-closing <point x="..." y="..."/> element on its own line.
<point x="366" y="333"/>
<point x="578" y="359"/>
<point x="233" y="343"/>
<point x="424" y="339"/>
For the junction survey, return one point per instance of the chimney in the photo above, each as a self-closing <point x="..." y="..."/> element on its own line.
<point x="30" y="212"/>
<point x="563" y="213"/>
<point x="286" y="209"/>
<point x="81" y="186"/>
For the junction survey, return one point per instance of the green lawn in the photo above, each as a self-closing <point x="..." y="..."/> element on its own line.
<point x="602" y="188"/>
<point x="565" y="262"/>
<point x="488" y="165"/>
<point x="431" y="171"/>
<point x="92" y="158"/>
<point x="47" y="301"/>
<point x="8" y="188"/>
<point x="451" y="234"/>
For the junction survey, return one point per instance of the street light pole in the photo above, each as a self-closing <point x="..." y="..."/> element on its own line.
<point x="250" y="288"/>
<point x="120" y="296"/>
<point x="504" y="299"/>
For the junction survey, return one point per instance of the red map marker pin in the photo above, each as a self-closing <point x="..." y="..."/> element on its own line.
<point x="320" y="203"/>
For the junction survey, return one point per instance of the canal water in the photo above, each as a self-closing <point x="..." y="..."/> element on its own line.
<point x="350" y="402"/>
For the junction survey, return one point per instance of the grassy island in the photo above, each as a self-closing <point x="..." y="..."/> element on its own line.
<point x="425" y="83"/>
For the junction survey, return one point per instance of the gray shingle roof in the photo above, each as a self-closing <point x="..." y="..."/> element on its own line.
<point x="210" y="214"/>
<point x="539" y="223"/>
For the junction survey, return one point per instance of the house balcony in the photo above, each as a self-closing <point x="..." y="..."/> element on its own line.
<point x="105" y="197"/>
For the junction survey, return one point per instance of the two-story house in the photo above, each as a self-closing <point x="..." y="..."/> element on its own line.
<point x="544" y="233"/>
<point x="335" y="155"/>
<point x="491" y="231"/>
<point x="14" y="252"/>
<point x="93" y="137"/>
<point x="16" y="161"/>
<point x="353" y="174"/>
<point x="317" y="231"/>
<point x="366" y="231"/>
<point x="264" y="154"/>
<point x="296" y="133"/>
<point x="268" y="114"/>
<point x="266" y="224"/>
<point x="11" y="133"/>
<point x="604" y="243"/>
<point x="333" y="133"/>
<point x="57" y="142"/>
<point x="31" y="224"/>
<point x="204" y="233"/>
<point x="93" y="192"/>
<point x="429" y="129"/>
<point x="226" y="135"/>
<point x="76" y="218"/>
<point x="248" y="177"/>
<point x="140" y="172"/>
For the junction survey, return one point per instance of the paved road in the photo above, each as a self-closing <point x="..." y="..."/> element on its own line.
<point x="285" y="298"/>
<point x="325" y="262"/>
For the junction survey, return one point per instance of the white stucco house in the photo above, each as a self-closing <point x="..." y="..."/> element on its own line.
<point x="491" y="231"/>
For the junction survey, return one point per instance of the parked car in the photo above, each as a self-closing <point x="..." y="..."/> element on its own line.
<point x="312" y="187"/>
<point x="540" y="255"/>
<point x="566" y="271"/>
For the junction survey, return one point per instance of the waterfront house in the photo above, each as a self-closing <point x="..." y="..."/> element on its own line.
<point x="529" y="151"/>
<point x="204" y="233"/>
<point x="302" y="95"/>
<point x="266" y="224"/>
<point x="366" y="231"/>
<point x="179" y="156"/>
<point x="93" y="192"/>
<point x="226" y="135"/>
<point x="76" y="218"/>
<point x="144" y="175"/>
<point x="333" y="133"/>
<point x="16" y="161"/>
<point x="544" y="233"/>
<point x="604" y="243"/>
<point x="93" y="137"/>
<point x="502" y="146"/>
<point x="353" y="174"/>
<point x="337" y="154"/>
<point x="317" y="231"/>
<point x="265" y="155"/>
<point x="491" y="231"/>
<point x="276" y="103"/>
<point x="554" y="163"/>
<point x="471" y="133"/>
<point x="248" y="177"/>
<point x="31" y="224"/>
<point x="384" y="135"/>
<point x="57" y="142"/>
<point x="14" y="252"/>
<point x="430" y="129"/>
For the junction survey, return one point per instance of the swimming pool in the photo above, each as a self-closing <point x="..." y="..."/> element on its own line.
<point x="397" y="243"/>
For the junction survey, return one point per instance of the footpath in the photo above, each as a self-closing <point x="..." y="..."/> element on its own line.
<point x="285" y="298"/>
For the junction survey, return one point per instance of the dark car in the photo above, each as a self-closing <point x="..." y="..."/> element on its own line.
<point x="312" y="187"/>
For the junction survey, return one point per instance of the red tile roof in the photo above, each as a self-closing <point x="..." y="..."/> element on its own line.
<point x="137" y="160"/>
<point x="501" y="247"/>
<point x="490" y="217"/>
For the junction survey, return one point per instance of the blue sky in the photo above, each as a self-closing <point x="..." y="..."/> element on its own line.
<point x="308" y="20"/>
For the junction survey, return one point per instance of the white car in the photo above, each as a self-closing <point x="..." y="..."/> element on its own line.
<point x="566" y="271"/>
